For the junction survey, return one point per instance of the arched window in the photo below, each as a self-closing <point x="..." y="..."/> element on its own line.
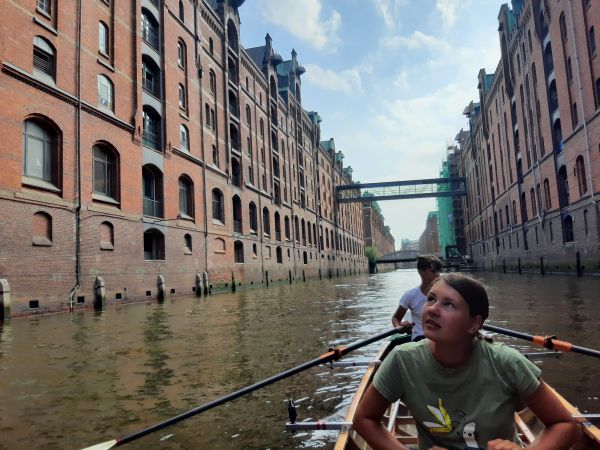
<point x="150" y="76"/>
<point x="548" y="59"/>
<point x="277" y="226"/>
<point x="568" y="229"/>
<point x="44" y="57"/>
<point x="557" y="137"/>
<point x="151" y="136"/>
<point x="107" y="236"/>
<point x="218" y="203"/>
<point x="233" y="104"/>
<point x="303" y="232"/>
<point x="103" y="36"/>
<point x="154" y="245"/>
<point x="580" y="174"/>
<point x="232" y="70"/>
<point x="182" y="97"/>
<point x="186" y="196"/>
<point x="150" y="29"/>
<point x="563" y="27"/>
<point x="238" y="251"/>
<point x="184" y="138"/>
<point x="547" y="196"/>
<point x="187" y="244"/>
<point x="212" y="82"/>
<point x="287" y="227"/>
<point x="234" y="136"/>
<point x="252" y="215"/>
<point x="266" y="222"/>
<point x="279" y="254"/>
<point x="305" y="257"/>
<point x="273" y="87"/>
<point x="105" y="172"/>
<point x="40" y="152"/>
<point x="42" y="229"/>
<point x="237" y="214"/>
<point x="248" y="116"/>
<point x="236" y="173"/>
<point x="563" y="187"/>
<point x="553" y="96"/>
<point x="105" y="92"/>
<point x="232" y="36"/>
<point x="211" y="45"/>
<point x="181" y="11"/>
<point x="297" y="229"/>
<point x="152" y="187"/>
<point x="181" y="54"/>
<point x="262" y="129"/>
<point x="533" y="207"/>
<point x="592" y="41"/>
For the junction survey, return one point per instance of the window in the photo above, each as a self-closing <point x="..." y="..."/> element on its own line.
<point x="580" y="174"/>
<point x="42" y="229"/>
<point x="253" y="217"/>
<point x="569" y="70"/>
<point x="154" y="245"/>
<point x="187" y="244"/>
<point x="568" y="229"/>
<point x="592" y="41"/>
<point x="107" y="236"/>
<point x="238" y="251"/>
<point x="44" y="5"/>
<point x="40" y="152"/>
<point x="44" y="57"/>
<point x="237" y="214"/>
<point x="181" y="54"/>
<point x="182" y="97"/>
<point x="585" y="222"/>
<point x="151" y="137"/>
<point x="105" y="172"/>
<point x="215" y="155"/>
<point x="266" y="222"/>
<point x="563" y="28"/>
<point x="279" y="255"/>
<point x="211" y="46"/>
<point x="218" y="212"/>
<point x="186" y="197"/>
<point x="150" y="77"/>
<point x="262" y="129"/>
<point x="181" y="11"/>
<point x="103" y="38"/>
<point x="248" y="116"/>
<point x="105" y="92"/>
<point x="184" y="138"/>
<point x="533" y="204"/>
<point x="152" y="191"/>
<point x="149" y="30"/>
<point x="574" y="115"/>
<point x="212" y="82"/>
<point x="547" y="197"/>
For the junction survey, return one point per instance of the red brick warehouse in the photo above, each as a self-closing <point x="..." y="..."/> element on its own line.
<point x="146" y="153"/>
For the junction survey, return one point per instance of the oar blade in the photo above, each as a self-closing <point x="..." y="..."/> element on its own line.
<point x="103" y="446"/>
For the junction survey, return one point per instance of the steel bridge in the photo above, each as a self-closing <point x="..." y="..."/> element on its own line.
<point x="399" y="256"/>
<point x="394" y="190"/>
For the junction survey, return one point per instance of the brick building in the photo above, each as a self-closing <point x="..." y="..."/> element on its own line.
<point x="376" y="233"/>
<point x="146" y="153"/>
<point x="429" y="242"/>
<point x="532" y="155"/>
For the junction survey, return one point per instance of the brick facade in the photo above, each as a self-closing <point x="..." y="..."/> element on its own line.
<point x="118" y="138"/>
<point x="532" y="155"/>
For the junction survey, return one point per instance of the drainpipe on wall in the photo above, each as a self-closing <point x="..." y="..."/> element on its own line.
<point x="580" y="88"/>
<point x="78" y="169"/>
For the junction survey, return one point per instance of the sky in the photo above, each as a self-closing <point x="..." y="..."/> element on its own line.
<point x="389" y="78"/>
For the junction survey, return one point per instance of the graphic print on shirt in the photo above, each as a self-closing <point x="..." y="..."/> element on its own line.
<point x="444" y="423"/>
<point x="469" y="437"/>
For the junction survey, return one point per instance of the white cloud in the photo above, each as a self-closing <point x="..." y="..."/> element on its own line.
<point x="416" y="41"/>
<point x="303" y="19"/>
<point x="346" y="81"/>
<point x="388" y="10"/>
<point x="449" y="10"/>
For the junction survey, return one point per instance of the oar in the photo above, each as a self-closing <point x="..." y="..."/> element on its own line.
<point x="546" y="342"/>
<point x="332" y="354"/>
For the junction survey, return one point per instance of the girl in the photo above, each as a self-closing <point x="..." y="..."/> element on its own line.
<point x="462" y="390"/>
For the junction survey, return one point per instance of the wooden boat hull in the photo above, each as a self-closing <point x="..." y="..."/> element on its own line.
<point x="402" y="425"/>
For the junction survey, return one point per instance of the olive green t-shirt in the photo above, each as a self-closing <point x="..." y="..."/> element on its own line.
<point x="464" y="407"/>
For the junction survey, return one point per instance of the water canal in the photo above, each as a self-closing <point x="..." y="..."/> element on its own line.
<point x="71" y="381"/>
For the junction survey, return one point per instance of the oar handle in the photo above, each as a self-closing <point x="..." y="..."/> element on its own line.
<point x="326" y="357"/>
<point x="546" y="342"/>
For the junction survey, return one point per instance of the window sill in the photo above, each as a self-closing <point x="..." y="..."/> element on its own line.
<point x="39" y="184"/>
<point x="187" y="251"/>
<point x="107" y="246"/>
<point x="104" y="63"/>
<point x="39" y="241"/>
<point x="105" y="199"/>
<point x="184" y="116"/>
<point x="44" y="24"/>
<point x="218" y="222"/>
<point x="220" y="252"/>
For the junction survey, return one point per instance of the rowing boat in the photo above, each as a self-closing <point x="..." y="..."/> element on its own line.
<point x="400" y="422"/>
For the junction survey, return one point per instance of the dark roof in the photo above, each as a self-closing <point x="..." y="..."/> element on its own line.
<point x="257" y="54"/>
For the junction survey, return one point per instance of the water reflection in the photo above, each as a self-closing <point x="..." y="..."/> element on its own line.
<point x="70" y="381"/>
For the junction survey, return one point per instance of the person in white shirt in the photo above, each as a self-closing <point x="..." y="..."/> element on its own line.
<point x="429" y="267"/>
